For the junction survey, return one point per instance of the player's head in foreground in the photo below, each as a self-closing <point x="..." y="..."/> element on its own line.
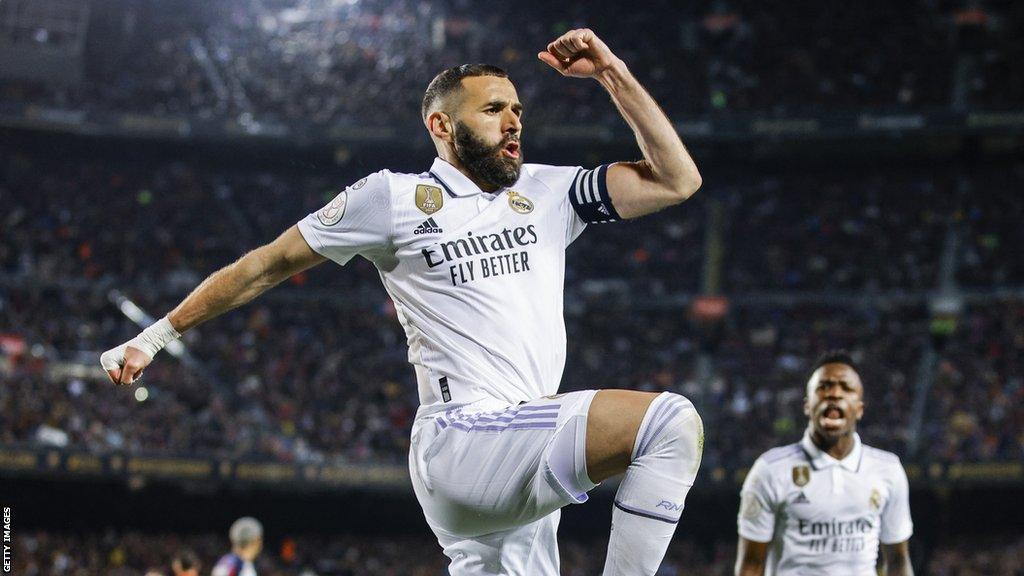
<point x="185" y="563"/>
<point x="473" y="115"/>
<point x="246" y="536"/>
<point x="834" y="400"/>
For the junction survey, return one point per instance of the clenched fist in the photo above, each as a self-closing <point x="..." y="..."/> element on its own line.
<point x="124" y="364"/>
<point x="579" y="53"/>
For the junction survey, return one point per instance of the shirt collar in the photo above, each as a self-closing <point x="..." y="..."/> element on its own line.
<point x="455" y="183"/>
<point x="821" y="460"/>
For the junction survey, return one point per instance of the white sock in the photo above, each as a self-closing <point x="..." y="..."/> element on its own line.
<point x="650" y="499"/>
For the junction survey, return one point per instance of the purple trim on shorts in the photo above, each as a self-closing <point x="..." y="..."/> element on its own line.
<point x="535" y="417"/>
<point x="517" y="426"/>
<point x="509" y="418"/>
<point x="500" y="428"/>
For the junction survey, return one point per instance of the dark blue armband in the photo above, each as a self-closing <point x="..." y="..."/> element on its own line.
<point x="589" y="196"/>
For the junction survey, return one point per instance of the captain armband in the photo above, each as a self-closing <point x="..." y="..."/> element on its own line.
<point x="589" y="196"/>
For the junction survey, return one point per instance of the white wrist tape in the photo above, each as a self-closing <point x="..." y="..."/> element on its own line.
<point x="149" y="342"/>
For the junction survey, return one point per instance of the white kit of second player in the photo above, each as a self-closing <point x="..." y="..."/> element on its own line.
<point x="823" y="515"/>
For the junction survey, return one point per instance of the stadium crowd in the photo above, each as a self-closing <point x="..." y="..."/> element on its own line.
<point x="976" y="407"/>
<point x="116" y="553"/>
<point x="897" y="217"/>
<point x="316" y="371"/>
<point x="366" y="63"/>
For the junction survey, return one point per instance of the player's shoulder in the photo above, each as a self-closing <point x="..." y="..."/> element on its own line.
<point x="228" y="565"/>
<point x="782" y="455"/>
<point x="408" y="183"/>
<point x="555" y="178"/>
<point x="383" y="178"/>
<point x="878" y="457"/>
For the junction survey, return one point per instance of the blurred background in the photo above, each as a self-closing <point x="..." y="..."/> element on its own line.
<point x="863" y="173"/>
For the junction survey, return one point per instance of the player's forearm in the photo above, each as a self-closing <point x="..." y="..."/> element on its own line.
<point x="748" y="568"/>
<point x="669" y="161"/>
<point x="897" y="565"/>
<point x="226" y="289"/>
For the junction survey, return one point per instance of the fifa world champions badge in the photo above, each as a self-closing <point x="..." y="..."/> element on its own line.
<point x="801" y="475"/>
<point x="429" y="198"/>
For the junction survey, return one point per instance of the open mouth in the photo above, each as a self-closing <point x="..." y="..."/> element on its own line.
<point x="511" y="150"/>
<point x="832" y="418"/>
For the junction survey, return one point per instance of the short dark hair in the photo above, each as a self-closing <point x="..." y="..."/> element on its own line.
<point x="186" y="560"/>
<point x="837" y="356"/>
<point x="451" y="80"/>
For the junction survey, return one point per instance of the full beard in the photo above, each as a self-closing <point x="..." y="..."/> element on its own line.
<point x="485" y="162"/>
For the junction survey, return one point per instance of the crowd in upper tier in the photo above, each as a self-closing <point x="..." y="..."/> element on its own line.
<point x="367" y="63"/>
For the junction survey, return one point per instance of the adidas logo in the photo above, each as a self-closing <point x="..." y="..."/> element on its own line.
<point x="428" y="227"/>
<point x="603" y="210"/>
<point x="801" y="499"/>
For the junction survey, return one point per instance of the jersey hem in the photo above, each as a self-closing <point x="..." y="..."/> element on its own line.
<point x="755" y="538"/>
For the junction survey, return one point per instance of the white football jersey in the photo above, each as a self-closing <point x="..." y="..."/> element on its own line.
<point x="476" y="278"/>
<point x="822" y="515"/>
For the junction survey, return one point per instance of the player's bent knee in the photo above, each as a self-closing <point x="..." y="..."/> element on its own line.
<point x="672" y="430"/>
<point x="613" y="423"/>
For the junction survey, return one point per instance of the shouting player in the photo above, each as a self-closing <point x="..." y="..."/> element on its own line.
<point x="828" y="503"/>
<point x="472" y="252"/>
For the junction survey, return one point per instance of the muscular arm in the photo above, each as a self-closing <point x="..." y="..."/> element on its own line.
<point x="245" y="279"/>
<point x="667" y="175"/>
<point x="750" y="557"/>
<point x="896" y="559"/>
<point x="225" y="289"/>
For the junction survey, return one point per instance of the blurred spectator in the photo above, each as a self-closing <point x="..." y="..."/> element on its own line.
<point x="186" y="563"/>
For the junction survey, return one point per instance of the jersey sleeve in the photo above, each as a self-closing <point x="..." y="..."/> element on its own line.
<point x="589" y="196"/>
<point x="756" y="519"/>
<point x="897" y="525"/>
<point x="356" y="221"/>
<point x="584" y="196"/>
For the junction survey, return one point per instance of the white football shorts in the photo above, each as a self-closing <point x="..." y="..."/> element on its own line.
<point x="492" y="477"/>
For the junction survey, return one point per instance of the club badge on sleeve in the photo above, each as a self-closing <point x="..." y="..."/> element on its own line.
<point x="750" y="507"/>
<point x="332" y="213"/>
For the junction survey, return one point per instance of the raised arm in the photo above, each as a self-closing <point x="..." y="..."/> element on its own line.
<point x="225" y="289"/>
<point x="667" y="175"/>
<point x="750" y="557"/>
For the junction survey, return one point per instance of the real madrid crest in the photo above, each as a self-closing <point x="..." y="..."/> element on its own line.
<point x="876" y="499"/>
<point x="801" y="475"/>
<point x="429" y="199"/>
<point x="519" y="203"/>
